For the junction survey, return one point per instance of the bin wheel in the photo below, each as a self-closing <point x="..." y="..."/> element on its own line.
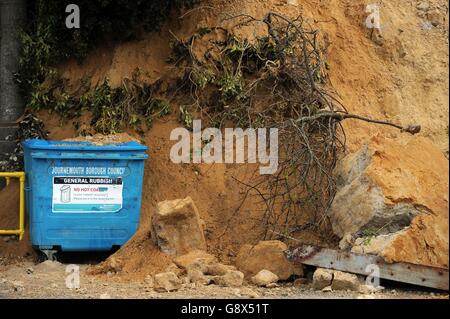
<point x="49" y="254"/>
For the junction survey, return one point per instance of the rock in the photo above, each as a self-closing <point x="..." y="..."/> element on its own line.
<point x="218" y="269"/>
<point x="346" y="242"/>
<point x="370" y="289"/>
<point x="233" y="278"/>
<point x="322" y="278"/>
<point x="292" y="2"/>
<point x="267" y="255"/>
<point x="383" y="196"/>
<point x="18" y="285"/>
<point x="198" y="257"/>
<point x="114" y="264"/>
<point x="423" y="6"/>
<point x="175" y="269"/>
<point x="327" y="289"/>
<point x="197" y="277"/>
<point x="264" y="278"/>
<point x="373" y="245"/>
<point x="176" y="227"/>
<point x="166" y="281"/>
<point x="345" y="281"/>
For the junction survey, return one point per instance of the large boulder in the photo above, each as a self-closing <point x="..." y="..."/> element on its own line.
<point x="176" y="227"/>
<point x="267" y="255"/>
<point x="392" y="199"/>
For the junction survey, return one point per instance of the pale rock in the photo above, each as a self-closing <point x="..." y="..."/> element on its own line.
<point x="370" y="289"/>
<point x="176" y="227"/>
<point x="264" y="278"/>
<point x="322" y="278"/>
<point x="423" y="6"/>
<point x="345" y="281"/>
<point x="346" y="242"/>
<point x="267" y="255"/>
<point x="327" y="289"/>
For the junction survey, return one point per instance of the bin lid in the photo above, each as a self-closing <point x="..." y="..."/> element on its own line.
<point x="37" y="144"/>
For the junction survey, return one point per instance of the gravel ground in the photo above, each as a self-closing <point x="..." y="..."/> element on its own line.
<point x="48" y="280"/>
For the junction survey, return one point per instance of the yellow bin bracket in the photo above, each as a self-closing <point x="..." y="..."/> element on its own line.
<point x="21" y="177"/>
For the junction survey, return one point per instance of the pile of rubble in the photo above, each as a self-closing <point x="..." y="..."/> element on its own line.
<point x="177" y="230"/>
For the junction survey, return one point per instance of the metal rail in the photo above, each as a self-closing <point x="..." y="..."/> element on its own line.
<point x="420" y="275"/>
<point x="21" y="177"/>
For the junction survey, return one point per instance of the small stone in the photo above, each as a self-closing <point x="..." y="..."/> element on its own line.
<point x="264" y="278"/>
<point x="369" y="289"/>
<point x="267" y="255"/>
<point x="30" y="271"/>
<point x="327" y="289"/>
<point x="197" y="277"/>
<point x="346" y="242"/>
<point x="232" y="278"/>
<point x="322" y="278"/>
<point x="423" y="6"/>
<point x="345" y="281"/>
<point x="166" y="281"/>
<point x="272" y="285"/>
<point x="18" y="285"/>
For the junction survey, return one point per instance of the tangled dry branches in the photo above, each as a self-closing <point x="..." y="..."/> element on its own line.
<point x="278" y="81"/>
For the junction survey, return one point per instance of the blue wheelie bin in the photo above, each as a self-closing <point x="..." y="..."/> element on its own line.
<point x="80" y="196"/>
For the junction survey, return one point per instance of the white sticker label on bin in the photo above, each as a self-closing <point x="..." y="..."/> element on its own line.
<point x="87" y="194"/>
